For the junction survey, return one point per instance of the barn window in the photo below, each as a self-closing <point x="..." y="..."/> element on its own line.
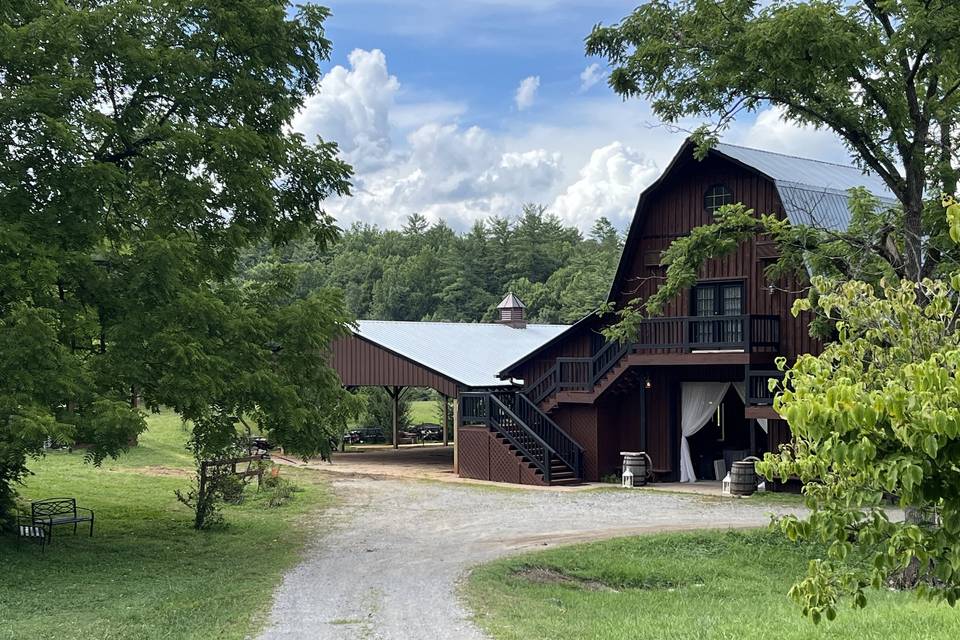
<point x="717" y="196"/>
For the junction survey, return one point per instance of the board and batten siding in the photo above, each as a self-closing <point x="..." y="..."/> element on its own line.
<point x="362" y="363"/>
<point x="677" y="208"/>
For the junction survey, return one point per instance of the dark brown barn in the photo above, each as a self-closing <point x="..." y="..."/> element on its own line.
<point x="692" y="389"/>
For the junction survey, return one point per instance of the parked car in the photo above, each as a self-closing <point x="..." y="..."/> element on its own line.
<point x="430" y="432"/>
<point x="352" y="437"/>
<point x="373" y="435"/>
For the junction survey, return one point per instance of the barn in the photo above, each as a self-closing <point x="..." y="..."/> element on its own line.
<point x="691" y="389"/>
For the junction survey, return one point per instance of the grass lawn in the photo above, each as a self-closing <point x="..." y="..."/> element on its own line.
<point x="702" y="586"/>
<point x="426" y="411"/>
<point x="146" y="573"/>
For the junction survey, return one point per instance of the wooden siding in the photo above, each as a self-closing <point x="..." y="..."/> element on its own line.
<point x="676" y="209"/>
<point x="361" y="363"/>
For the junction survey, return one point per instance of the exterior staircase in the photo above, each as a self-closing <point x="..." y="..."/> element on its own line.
<point x="528" y="433"/>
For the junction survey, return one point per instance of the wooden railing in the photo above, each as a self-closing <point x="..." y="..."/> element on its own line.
<point x="524" y="426"/>
<point x="758" y="386"/>
<point x="749" y="333"/>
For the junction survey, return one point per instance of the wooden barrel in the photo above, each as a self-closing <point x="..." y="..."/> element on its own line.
<point x="743" y="477"/>
<point x="639" y="464"/>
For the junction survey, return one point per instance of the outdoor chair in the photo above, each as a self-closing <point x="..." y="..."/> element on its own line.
<point x="38" y="532"/>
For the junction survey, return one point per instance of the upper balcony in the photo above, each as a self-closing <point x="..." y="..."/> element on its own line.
<point x="699" y="334"/>
<point x="679" y="340"/>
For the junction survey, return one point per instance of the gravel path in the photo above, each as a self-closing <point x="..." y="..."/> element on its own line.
<point x="388" y="566"/>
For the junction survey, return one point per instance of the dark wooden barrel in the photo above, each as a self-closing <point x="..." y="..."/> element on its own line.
<point x="743" y="477"/>
<point x="638" y="462"/>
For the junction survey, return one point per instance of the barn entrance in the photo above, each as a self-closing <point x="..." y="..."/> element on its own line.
<point x="728" y="436"/>
<point x="715" y="431"/>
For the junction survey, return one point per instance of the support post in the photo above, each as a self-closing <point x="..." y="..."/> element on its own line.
<point x="394" y="393"/>
<point x="643" y="416"/>
<point x="446" y="421"/>
<point x="456" y="436"/>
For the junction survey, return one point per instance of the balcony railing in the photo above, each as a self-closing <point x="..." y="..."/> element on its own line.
<point x="683" y="334"/>
<point x="758" y="385"/>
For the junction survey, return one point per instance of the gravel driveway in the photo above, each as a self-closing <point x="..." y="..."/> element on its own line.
<point x="388" y="565"/>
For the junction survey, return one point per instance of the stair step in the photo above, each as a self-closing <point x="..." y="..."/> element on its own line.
<point x="566" y="481"/>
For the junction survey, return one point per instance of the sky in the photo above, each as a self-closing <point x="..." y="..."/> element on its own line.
<point x="464" y="109"/>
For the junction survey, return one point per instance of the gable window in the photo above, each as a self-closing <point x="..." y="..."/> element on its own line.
<point x="717" y="196"/>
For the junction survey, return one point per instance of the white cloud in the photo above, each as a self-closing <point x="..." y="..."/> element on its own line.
<point x="608" y="185"/>
<point x="411" y="154"/>
<point x="527" y="92"/>
<point x="352" y="107"/>
<point x="590" y="76"/>
<point x="770" y="131"/>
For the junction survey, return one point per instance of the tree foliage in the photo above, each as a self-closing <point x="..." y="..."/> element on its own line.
<point x="877" y="413"/>
<point x="144" y="144"/>
<point x="429" y="272"/>
<point x="883" y="75"/>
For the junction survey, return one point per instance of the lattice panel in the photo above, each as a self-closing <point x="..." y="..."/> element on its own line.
<point x="474" y="453"/>
<point x="504" y="464"/>
<point x="530" y="476"/>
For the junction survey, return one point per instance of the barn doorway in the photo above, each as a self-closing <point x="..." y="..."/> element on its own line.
<point x="716" y="431"/>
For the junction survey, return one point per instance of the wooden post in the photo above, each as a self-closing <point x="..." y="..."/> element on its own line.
<point x="456" y="436"/>
<point x="394" y="393"/>
<point x="446" y="421"/>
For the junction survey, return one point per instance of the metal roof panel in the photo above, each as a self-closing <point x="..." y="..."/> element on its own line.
<point x="470" y="353"/>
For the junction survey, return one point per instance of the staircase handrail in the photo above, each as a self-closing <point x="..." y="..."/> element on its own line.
<point x="542" y="461"/>
<point x="564" y="447"/>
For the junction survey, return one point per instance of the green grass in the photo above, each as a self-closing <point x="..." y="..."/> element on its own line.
<point x="146" y="573"/>
<point x="696" y="586"/>
<point x="425" y="411"/>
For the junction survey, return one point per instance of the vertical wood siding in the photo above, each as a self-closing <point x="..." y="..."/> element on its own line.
<point x="361" y="363"/>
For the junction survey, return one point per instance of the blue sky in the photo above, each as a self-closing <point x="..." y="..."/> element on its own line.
<point x="468" y="108"/>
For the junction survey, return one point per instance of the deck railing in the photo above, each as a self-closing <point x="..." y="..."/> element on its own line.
<point x="758" y="385"/>
<point x="748" y="333"/>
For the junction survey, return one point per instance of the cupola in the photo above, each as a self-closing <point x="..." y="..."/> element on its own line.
<point x="512" y="312"/>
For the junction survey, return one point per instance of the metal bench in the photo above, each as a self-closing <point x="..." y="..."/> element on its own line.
<point x="58" y="511"/>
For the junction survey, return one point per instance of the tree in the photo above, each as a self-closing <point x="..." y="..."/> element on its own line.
<point x="877" y="413"/>
<point x="144" y="145"/>
<point x="883" y="75"/>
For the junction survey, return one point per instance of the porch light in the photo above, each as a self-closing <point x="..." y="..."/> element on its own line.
<point x="647" y="384"/>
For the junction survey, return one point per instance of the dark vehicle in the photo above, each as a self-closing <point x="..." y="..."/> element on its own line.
<point x="371" y="435"/>
<point x="430" y="432"/>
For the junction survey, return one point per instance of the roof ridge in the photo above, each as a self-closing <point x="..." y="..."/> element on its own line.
<point x="451" y="322"/>
<point x="787" y="155"/>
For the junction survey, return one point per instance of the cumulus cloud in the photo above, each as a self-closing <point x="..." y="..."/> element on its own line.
<point x="772" y="132"/>
<point x="590" y="76"/>
<point x="457" y="174"/>
<point x="608" y="185"/>
<point x="352" y="107"/>
<point x="526" y="92"/>
<point x="411" y="154"/>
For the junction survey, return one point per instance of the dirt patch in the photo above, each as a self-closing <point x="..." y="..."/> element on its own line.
<point x="160" y="471"/>
<point x="544" y="575"/>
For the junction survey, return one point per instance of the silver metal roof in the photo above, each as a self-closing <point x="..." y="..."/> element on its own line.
<point x="813" y="192"/>
<point x="470" y="353"/>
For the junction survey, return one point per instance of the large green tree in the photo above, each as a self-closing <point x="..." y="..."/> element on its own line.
<point x="143" y="145"/>
<point x="883" y="75"/>
<point x="877" y="414"/>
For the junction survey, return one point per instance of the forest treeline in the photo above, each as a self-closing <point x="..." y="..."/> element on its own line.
<point x="429" y="272"/>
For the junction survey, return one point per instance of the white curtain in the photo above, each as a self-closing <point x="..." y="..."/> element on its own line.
<point x="763" y="424"/>
<point x="699" y="401"/>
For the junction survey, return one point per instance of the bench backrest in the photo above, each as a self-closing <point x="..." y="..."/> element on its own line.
<point x="53" y="507"/>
